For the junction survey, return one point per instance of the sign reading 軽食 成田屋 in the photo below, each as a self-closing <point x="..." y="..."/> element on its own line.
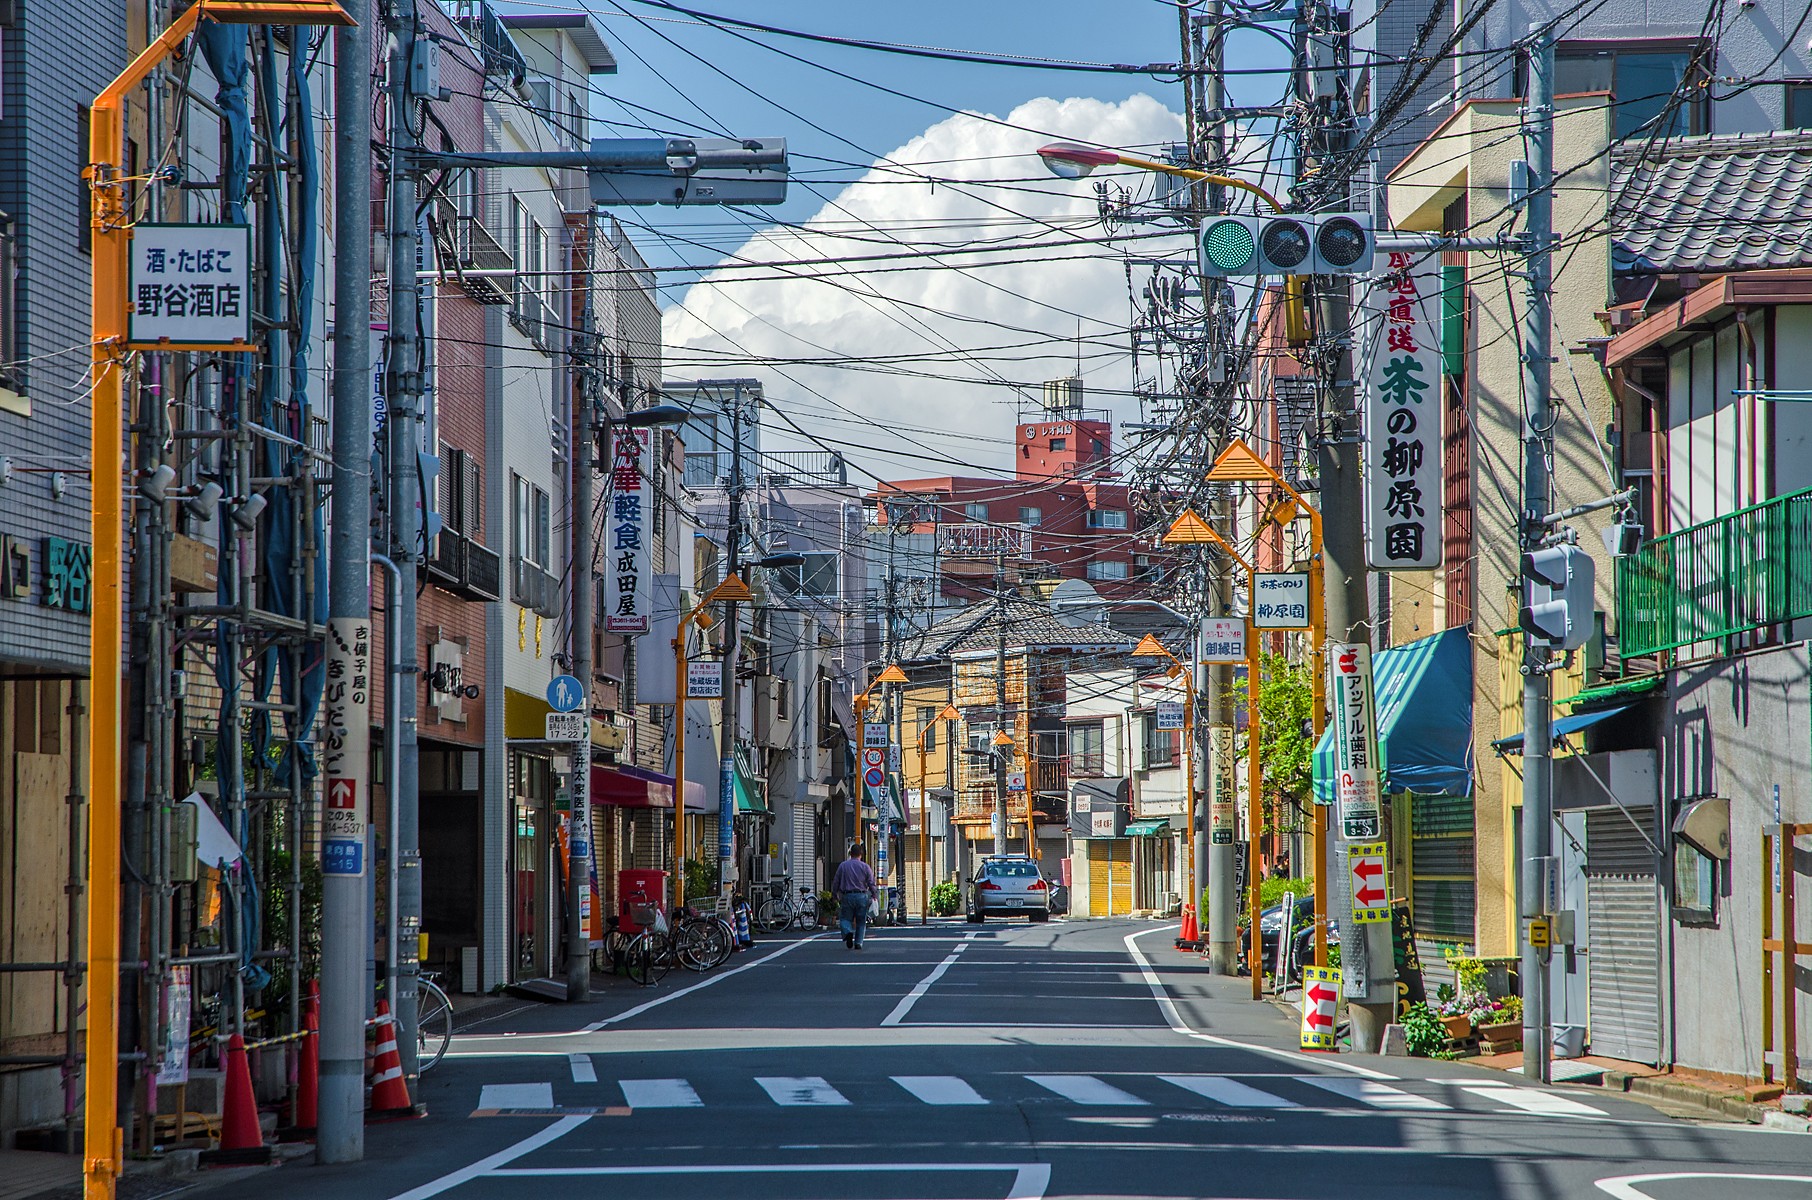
<point x="628" y="571"/>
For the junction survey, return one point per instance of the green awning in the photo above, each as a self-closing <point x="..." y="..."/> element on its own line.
<point x="1617" y="690"/>
<point x="1156" y="828"/>
<point x="751" y="793"/>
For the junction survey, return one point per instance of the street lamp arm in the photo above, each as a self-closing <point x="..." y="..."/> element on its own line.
<point x="1146" y="164"/>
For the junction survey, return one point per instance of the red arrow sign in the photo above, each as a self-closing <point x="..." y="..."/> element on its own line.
<point x="1365" y="868"/>
<point x="1320" y="995"/>
<point x="1369" y="896"/>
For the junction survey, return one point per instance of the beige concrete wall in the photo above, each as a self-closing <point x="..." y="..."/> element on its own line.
<point x="1472" y="154"/>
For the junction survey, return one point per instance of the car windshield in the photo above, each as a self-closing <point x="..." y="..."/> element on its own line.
<point x="1012" y="870"/>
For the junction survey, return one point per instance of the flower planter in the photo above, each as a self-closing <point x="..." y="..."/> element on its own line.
<point x="1504" y="1033"/>
<point x="1458" y="1027"/>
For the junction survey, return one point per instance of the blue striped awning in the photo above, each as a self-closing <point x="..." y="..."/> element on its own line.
<point x="1423" y="696"/>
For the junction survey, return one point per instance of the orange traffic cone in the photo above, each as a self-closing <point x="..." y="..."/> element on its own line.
<point x="241" y="1138"/>
<point x="389" y="1094"/>
<point x="1190" y="933"/>
<point x="308" y="1083"/>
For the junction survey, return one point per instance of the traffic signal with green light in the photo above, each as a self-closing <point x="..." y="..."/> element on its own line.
<point x="1287" y="244"/>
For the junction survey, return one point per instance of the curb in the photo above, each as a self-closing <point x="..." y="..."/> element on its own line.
<point x="1662" y="1088"/>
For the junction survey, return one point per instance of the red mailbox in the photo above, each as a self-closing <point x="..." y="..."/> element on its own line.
<point x="637" y="892"/>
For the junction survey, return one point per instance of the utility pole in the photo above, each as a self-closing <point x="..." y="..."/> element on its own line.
<point x="1538" y="822"/>
<point x="584" y="453"/>
<point x="403" y="391"/>
<point x="1366" y="957"/>
<point x="726" y="762"/>
<point x="345" y="915"/>
<point x="1000" y="700"/>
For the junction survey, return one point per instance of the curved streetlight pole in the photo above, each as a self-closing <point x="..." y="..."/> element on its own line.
<point x="1067" y="160"/>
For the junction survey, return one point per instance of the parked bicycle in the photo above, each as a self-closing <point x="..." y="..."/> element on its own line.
<point x="787" y="909"/>
<point x="433" y="1021"/>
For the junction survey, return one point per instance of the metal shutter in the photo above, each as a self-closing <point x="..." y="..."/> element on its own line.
<point x="1623" y="958"/>
<point x="1099" y="873"/>
<point x="1121" y="851"/>
<point x="804" y="847"/>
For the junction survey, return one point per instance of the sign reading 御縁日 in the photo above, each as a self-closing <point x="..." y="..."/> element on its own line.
<point x="1404" y="408"/>
<point x="1280" y="600"/>
<point x="628" y="573"/>
<point x="189" y="285"/>
<point x="1224" y="639"/>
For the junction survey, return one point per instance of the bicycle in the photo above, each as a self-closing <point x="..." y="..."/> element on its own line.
<point x="703" y="940"/>
<point x="433" y="1022"/>
<point x="786" y="910"/>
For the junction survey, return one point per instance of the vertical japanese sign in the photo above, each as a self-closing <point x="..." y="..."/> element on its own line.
<point x="1368" y="871"/>
<point x="346" y="749"/>
<point x="1222" y="810"/>
<point x="1404" y="409"/>
<point x="190" y="286"/>
<point x="1355" y="740"/>
<point x="628" y="570"/>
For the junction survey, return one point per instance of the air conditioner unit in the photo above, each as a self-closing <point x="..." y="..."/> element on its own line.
<point x="761" y="870"/>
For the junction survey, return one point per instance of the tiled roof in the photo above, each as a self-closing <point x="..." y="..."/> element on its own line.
<point x="1724" y="203"/>
<point x="1028" y="625"/>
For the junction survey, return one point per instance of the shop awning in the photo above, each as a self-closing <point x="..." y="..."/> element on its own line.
<point x="1562" y="727"/>
<point x="1423" y="695"/>
<point x="751" y="793"/>
<point x="1158" y="828"/>
<point x="627" y="786"/>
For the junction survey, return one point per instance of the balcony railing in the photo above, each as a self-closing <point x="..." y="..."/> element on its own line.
<point x="1736" y="573"/>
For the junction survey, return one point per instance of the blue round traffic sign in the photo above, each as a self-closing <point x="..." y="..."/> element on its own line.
<point x="565" y="695"/>
<point x="874" y="777"/>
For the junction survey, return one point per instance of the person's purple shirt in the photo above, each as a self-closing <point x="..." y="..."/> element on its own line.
<point x="853" y="875"/>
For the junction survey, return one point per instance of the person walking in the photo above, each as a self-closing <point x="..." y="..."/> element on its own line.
<point x="854" y="887"/>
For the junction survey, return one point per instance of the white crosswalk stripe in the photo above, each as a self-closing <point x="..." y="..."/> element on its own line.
<point x="659" y="1093"/>
<point x="1372" y="1093"/>
<point x="1547" y="1104"/>
<point x="940" y="1089"/>
<point x="1230" y="1092"/>
<point x="516" y="1095"/>
<point x="1086" y="1089"/>
<point x="800" y="1090"/>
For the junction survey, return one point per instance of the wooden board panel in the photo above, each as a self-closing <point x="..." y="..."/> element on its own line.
<point x="40" y="870"/>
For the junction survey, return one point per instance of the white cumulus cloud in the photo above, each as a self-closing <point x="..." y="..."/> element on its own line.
<point x="757" y="322"/>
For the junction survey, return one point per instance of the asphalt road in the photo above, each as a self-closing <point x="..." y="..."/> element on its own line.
<point x="1064" y="1060"/>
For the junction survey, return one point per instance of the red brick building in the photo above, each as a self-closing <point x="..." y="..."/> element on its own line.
<point x="1064" y="512"/>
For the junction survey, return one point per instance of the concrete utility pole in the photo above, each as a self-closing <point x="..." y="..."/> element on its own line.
<point x="585" y="463"/>
<point x="726" y="762"/>
<point x="1367" y="967"/>
<point x="1538" y="816"/>
<point x="403" y="393"/>
<point x="345" y="915"/>
<point x="1000" y="701"/>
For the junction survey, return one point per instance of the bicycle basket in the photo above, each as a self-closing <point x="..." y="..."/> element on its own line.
<point x="643" y="914"/>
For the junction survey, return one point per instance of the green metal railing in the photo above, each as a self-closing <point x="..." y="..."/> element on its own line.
<point x="1744" y="571"/>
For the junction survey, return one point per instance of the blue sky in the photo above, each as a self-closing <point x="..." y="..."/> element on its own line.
<point x="916" y="367"/>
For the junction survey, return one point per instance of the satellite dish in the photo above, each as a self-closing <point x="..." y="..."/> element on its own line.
<point x="1075" y="602"/>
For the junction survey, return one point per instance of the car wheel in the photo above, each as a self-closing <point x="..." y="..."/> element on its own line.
<point x="975" y="918"/>
<point x="1040" y="917"/>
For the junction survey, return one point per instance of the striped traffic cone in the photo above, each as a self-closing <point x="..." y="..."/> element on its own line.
<point x="389" y="1094"/>
<point x="308" y="1083"/>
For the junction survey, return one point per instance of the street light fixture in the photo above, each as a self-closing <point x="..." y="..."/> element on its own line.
<point x="1067" y="160"/>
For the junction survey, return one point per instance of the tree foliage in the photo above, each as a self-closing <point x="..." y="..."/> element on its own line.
<point x="1286" y="741"/>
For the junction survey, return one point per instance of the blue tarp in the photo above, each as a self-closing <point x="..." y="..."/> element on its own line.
<point x="1423" y="696"/>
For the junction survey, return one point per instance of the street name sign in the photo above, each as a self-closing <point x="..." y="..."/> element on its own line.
<point x="1170" y="714"/>
<point x="566" y="727"/>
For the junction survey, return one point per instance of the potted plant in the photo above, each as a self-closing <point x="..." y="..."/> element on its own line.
<point x="1502" y="1021"/>
<point x="1454" y="1011"/>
